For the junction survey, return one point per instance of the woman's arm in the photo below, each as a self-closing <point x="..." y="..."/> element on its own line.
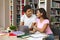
<point x="43" y="29"/>
<point x="33" y="31"/>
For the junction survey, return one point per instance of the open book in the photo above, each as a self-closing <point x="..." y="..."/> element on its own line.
<point x="36" y="35"/>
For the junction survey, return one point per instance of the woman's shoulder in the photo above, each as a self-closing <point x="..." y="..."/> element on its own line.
<point x="46" y="21"/>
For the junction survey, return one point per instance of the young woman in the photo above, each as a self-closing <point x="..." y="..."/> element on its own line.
<point x="42" y="23"/>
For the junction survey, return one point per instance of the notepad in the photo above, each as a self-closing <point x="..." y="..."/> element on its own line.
<point x="30" y="38"/>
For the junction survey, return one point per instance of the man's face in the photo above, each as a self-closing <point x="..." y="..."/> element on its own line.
<point x="29" y="12"/>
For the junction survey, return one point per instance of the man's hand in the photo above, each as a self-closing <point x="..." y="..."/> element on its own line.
<point x="21" y="23"/>
<point x="30" y="29"/>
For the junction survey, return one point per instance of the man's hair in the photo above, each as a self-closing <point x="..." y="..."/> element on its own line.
<point x="26" y="7"/>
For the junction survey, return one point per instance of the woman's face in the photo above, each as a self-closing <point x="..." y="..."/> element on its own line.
<point x="38" y="14"/>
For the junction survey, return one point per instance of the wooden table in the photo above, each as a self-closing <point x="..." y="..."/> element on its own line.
<point x="10" y="38"/>
<point x="7" y="37"/>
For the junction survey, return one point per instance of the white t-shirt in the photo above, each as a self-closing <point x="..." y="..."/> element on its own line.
<point x="28" y="21"/>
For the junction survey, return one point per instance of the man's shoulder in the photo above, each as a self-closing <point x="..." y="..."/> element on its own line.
<point x="34" y="15"/>
<point x="23" y="15"/>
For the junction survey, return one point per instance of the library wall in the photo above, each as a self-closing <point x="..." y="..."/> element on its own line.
<point x="1" y="13"/>
<point x="4" y="13"/>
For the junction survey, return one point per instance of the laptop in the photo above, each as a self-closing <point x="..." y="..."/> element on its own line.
<point x="24" y="29"/>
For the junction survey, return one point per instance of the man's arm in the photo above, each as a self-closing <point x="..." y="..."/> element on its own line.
<point x="22" y="21"/>
<point x="33" y="30"/>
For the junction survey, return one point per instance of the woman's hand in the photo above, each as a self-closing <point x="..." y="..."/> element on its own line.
<point x="35" y="27"/>
<point x="31" y="32"/>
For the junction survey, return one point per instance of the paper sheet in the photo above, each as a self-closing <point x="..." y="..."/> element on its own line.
<point x="30" y="38"/>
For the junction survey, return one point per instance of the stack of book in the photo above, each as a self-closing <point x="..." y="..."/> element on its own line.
<point x="16" y="33"/>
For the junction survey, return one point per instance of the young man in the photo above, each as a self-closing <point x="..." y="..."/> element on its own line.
<point x="28" y="18"/>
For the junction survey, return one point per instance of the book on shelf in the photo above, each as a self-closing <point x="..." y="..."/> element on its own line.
<point x="18" y="20"/>
<point x="22" y="9"/>
<point x="55" y="11"/>
<point x="18" y="16"/>
<point x="18" y="0"/>
<point x="55" y="4"/>
<point x="59" y="12"/>
<point x="32" y="5"/>
<point x="22" y="13"/>
<point x="22" y="6"/>
<point x="22" y="1"/>
<point x="57" y="18"/>
<point x="18" y="11"/>
<point x="18" y="7"/>
<point x="18" y="4"/>
<point x="57" y="25"/>
<point x="30" y="0"/>
<point x="53" y="19"/>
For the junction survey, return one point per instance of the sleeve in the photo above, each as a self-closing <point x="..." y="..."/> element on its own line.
<point x="22" y="19"/>
<point x="46" y="22"/>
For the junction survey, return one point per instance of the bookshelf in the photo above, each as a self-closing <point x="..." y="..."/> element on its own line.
<point x="13" y="7"/>
<point x="55" y="11"/>
<point x="15" y="11"/>
<point x="11" y="11"/>
<point x="19" y="10"/>
<point x="55" y="14"/>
